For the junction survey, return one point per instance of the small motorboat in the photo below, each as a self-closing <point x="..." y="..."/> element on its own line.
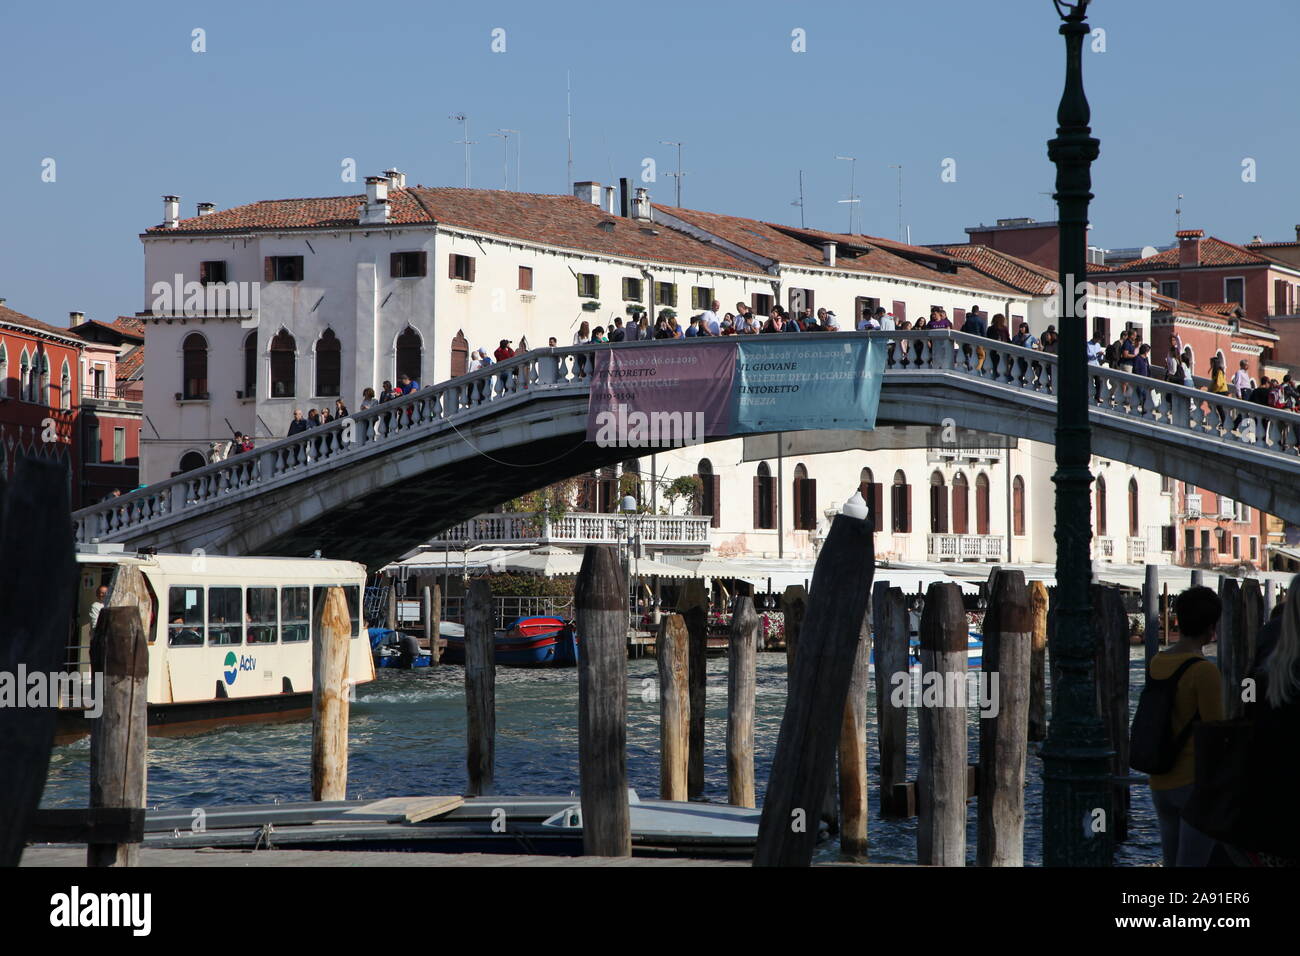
<point x="974" y="653"/>
<point x="527" y="642"/>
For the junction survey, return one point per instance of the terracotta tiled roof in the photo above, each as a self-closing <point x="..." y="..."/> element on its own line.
<point x="558" y="220"/>
<point x="1221" y="308"/>
<point x="116" y="332"/>
<point x="130" y="364"/>
<point x="796" y="246"/>
<point x="1028" y="277"/>
<point x="1214" y="252"/>
<point x="10" y="317"/>
<point x="129" y="324"/>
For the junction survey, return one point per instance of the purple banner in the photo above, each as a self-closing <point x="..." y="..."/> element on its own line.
<point x="661" y="395"/>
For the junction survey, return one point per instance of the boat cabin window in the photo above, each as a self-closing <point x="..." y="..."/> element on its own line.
<point x="262" y="620"/>
<point x="353" y="595"/>
<point x="185" y="616"/>
<point x="225" y="616"/>
<point x="295" y="615"/>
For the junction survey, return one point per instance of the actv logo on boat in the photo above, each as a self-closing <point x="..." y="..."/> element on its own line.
<point x="235" y="664"/>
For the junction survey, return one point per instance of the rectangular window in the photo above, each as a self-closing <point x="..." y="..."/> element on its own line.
<point x="119" y="446"/>
<point x="407" y="265"/>
<point x="900" y="311"/>
<point x="295" y="615"/>
<point x="864" y="306"/>
<point x="633" y="290"/>
<point x="1166" y="485"/>
<point x="1254" y="548"/>
<point x="525" y="278"/>
<point x="588" y="285"/>
<point x="761" y="305"/>
<point x="1101" y="326"/>
<point x="1169" y="288"/>
<point x="212" y="271"/>
<point x="1234" y="290"/>
<point x="262" y="604"/>
<point x="91" y="453"/>
<point x="800" y="299"/>
<point x="665" y="294"/>
<point x="461" y="267"/>
<point x="185" y="616"/>
<point x="353" y="595"/>
<point x="1167" y="537"/>
<point x="701" y="297"/>
<point x="283" y="269"/>
<point x="1236" y="546"/>
<point x="225" y="616"/>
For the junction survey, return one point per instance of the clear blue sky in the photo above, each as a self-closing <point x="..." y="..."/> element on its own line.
<point x="113" y="93"/>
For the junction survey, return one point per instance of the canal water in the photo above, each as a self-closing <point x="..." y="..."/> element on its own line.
<point x="408" y="738"/>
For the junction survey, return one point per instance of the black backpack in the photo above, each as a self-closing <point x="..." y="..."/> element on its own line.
<point x="1153" y="746"/>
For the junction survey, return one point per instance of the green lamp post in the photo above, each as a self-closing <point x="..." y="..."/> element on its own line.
<point x="1077" y="788"/>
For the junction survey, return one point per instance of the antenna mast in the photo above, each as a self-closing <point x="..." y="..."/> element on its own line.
<point x="899" y="167"/>
<point x="568" y="100"/>
<point x="799" y="202"/>
<point x="466" y="142"/>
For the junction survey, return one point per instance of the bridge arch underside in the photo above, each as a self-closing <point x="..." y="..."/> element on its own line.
<point x="376" y="508"/>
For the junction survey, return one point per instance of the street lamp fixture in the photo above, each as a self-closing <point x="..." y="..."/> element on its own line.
<point x="1078" y="811"/>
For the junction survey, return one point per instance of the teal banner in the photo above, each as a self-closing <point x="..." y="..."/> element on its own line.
<point x="790" y="386"/>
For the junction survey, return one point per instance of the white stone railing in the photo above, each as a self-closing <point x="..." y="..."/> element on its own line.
<point x="1137" y="550"/>
<point x="578" y="528"/>
<point x="1104" y="545"/>
<point x="446" y="405"/>
<point x="963" y="547"/>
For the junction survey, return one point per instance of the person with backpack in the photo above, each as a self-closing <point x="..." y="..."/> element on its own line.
<point x="1182" y="689"/>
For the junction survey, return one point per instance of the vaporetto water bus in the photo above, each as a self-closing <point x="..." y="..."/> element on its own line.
<point x="229" y="637"/>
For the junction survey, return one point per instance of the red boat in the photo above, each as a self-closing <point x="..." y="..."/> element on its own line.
<point x="528" y="642"/>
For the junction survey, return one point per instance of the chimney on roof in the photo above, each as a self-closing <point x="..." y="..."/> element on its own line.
<point x="611" y="200"/>
<point x="76" y="318"/>
<point x="587" y="192"/>
<point x="1256" y="241"/>
<point x="207" y="208"/>
<point x="1189" y="246"/>
<point x="1297" y="232"/>
<point x="828" y="253"/>
<point x="641" y="204"/>
<point x="625" y="198"/>
<point x="375" y="210"/>
<point x="396" y="178"/>
<point x="171" y="211"/>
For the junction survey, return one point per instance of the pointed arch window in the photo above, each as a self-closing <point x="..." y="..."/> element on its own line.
<point x="250" y="365"/>
<point x="1018" y="505"/>
<point x="960" y="504"/>
<point x="284" y="365"/>
<point x="329" y="364"/>
<point x="410" y="353"/>
<point x="1101" y="505"/>
<point x="873" y="493"/>
<point x="805" y="500"/>
<point x="65" y="387"/>
<point x="900" y="504"/>
<point x="194" y="367"/>
<point x="42" y="379"/>
<point x="4" y="375"/>
<point x="709" y="499"/>
<point x="982" y="503"/>
<point x="24" y="376"/>
<point x="1133" y="517"/>
<point x="938" y="504"/>
<point x="764" y="498"/>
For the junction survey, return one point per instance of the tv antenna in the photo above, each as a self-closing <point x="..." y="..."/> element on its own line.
<point x="853" y="199"/>
<point x="899" y="167"/>
<point x="466" y="142"/>
<point x="679" y="174"/>
<point x="799" y="202"/>
<point x="568" y="105"/>
<point x="1178" y="214"/>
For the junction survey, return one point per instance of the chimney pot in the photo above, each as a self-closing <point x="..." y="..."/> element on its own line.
<point x="171" y="211"/>
<point x="206" y="208"/>
<point x="828" y="253"/>
<point x="396" y="178"/>
<point x="75" y="318"/>
<point x="375" y="210"/>
<point x="611" y="200"/>
<point x="1297" y="232"/>
<point x="641" y="204"/>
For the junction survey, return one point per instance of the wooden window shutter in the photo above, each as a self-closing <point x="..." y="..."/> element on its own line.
<point x="596" y="286"/>
<point x="715" y="482"/>
<point x="268" y="269"/>
<point x="810" y="503"/>
<point x="451" y="266"/>
<point x="753" y="304"/>
<point x="758" y="502"/>
<point x="877" y="499"/>
<point x="907" y="508"/>
<point x="900" y="311"/>
<point x="394" y="270"/>
<point x="798" y="502"/>
<point x="424" y="264"/>
<point x="472" y="263"/>
<point x="958" y="318"/>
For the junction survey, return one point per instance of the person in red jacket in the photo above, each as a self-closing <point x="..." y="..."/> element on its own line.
<point x="504" y="351"/>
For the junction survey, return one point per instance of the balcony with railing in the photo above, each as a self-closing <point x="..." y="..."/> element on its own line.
<point x="114" y="395"/>
<point x="1103" y="548"/>
<point x="656" y="531"/>
<point x="964" y="547"/>
<point x="1137" y="550"/>
<point x="965" y="451"/>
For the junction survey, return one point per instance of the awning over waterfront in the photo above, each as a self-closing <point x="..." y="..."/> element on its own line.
<point x="551" y="562"/>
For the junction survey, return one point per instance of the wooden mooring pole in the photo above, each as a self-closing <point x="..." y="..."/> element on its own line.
<point x="600" y="605"/>
<point x="742" y="682"/>
<point x="819" y="686"/>
<point x="435" y="645"/>
<point x="330" y="633"/>
<point x="1037" y="660"/>
<point x="693" y="606"/>
<point x="480" y="689"/>
<point x="1004" y="722"/>
<point x="38" y="575"/>
<point x="674" y="707"/>
<point x="853" y="753"/>
<point x="941" y="775"/>
<point x="1151" y="612"/>
<point x="893" y="680"/>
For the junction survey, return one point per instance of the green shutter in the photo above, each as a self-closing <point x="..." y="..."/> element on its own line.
<point x="596" y="292"/>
